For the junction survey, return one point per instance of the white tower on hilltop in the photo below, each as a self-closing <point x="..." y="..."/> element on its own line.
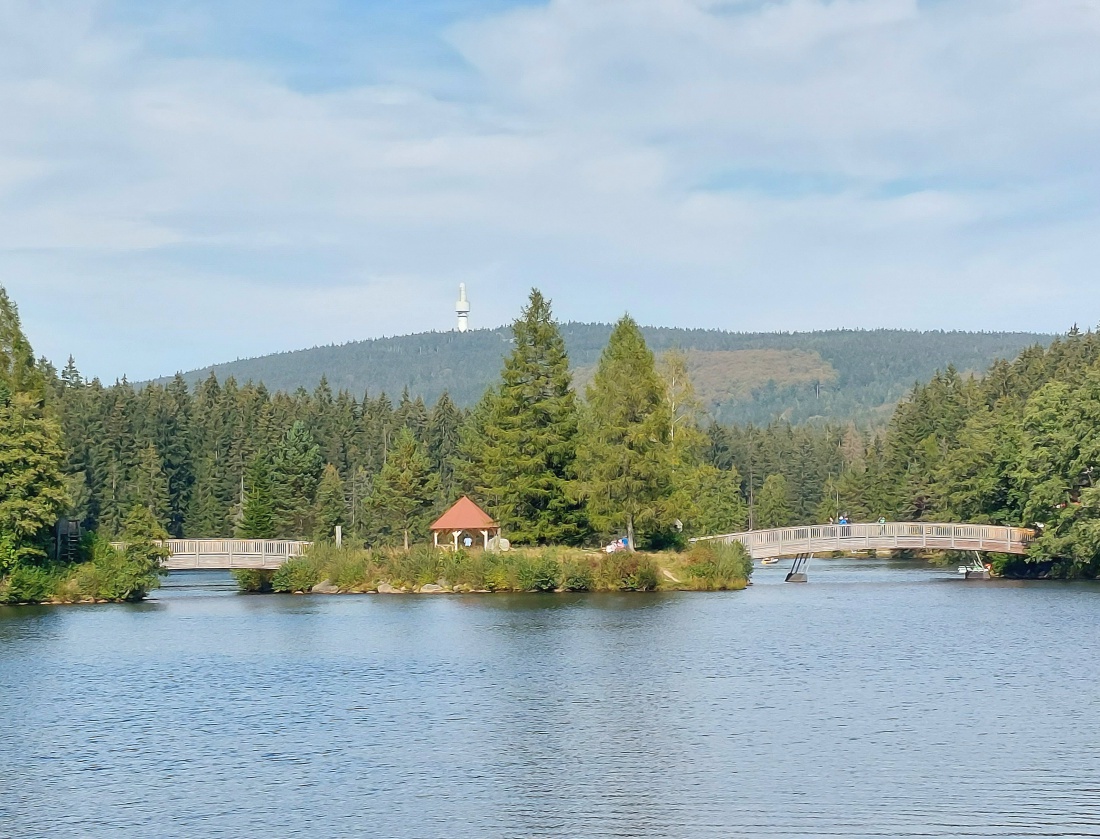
<point x="462" y="309"/>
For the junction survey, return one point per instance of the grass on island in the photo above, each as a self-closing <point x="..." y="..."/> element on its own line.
<point x="707" y="566"/>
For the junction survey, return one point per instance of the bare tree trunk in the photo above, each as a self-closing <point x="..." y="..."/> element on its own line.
<point x="406" y="541"/>
<point x="630" y="531"/>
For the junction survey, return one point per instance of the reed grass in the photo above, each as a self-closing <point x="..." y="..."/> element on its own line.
<point x="705" y="567"/>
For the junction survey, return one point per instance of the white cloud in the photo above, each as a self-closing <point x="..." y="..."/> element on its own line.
<point x="791" y="164"/>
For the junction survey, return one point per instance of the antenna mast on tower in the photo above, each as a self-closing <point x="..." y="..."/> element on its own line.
<point x="462" y="309"/>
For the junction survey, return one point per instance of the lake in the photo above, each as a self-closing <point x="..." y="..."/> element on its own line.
<point x="881" y="699"/>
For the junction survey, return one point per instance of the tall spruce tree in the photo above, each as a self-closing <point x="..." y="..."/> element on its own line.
<point x="296" y="471"/>
<point x="32" y="486"/>
<point x="719" y="507"/>
<point x="444" y="429"/>
<point x="258" y="513"/>
<point x="17" y="368"/>
<point x="521" y="457"/>
<point x="172" y="437"/>
<point x="32" y="483"/>
<point x="405" y="490"/>
<point x="149" y="485"/>
<point x="625" y="457"/>
<point x="773" y="506"/>
<point x="331" y="507"/>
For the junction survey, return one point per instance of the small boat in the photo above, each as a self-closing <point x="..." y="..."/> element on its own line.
<point x="772" y="560"/>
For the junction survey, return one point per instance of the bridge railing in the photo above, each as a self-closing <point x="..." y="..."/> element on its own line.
<point x="874" y="536"/>
<point x="188" y="554"/>
<point x="232" y="553"/>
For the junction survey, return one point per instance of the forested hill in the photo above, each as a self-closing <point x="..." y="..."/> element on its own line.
<point x="740" y="377"/>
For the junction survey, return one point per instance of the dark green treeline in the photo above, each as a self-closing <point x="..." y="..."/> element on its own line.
<point x="1018" y="446"/>
<point x="234" y="459"/>
<point x="231" y="459"/>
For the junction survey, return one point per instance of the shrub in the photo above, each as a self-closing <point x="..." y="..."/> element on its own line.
<point x="351" y="573"/>
<point x="627" y="572"/>
<point x="716" y="566"/>
<point x="416" y="567"/>
<point x="470" y="568"/>
<point x="347" y="568"/>
<point x="120" y="574"/>
<point x="577" y="575"/>
<point x="253" y="580"/>
<point x="28" y="584"/>
<point x="501" y="574"/>
<point x="643" y="577"/>
<point x="537" y="572"/>
<point x="297" y="574"/>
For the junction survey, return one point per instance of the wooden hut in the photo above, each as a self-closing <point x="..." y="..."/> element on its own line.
<point x="464" y="519"/>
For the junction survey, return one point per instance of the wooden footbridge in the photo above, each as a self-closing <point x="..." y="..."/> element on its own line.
<point x="225" y="554"/>
<point x="803" y="543"/>
<point x="888" y="536"/>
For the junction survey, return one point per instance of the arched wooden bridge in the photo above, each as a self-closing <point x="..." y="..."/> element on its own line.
<point x="891" y="536"/>
<point x="212" y="554"/>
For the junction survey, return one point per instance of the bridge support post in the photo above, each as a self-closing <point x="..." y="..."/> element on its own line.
<point x="976" y="571"/>
<point x="797" y="574"/>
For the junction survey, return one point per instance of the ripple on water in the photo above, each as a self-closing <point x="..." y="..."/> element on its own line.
<point x="860" y="705"/>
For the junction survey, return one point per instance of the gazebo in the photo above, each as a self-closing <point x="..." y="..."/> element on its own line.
<point x="465" y="518"/>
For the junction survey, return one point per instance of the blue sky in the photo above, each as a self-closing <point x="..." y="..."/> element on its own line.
<point x="183" y="183"/>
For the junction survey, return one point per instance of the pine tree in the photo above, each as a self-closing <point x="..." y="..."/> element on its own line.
<point x="406" y="488"/>
<point x="214" y="489"/>
<point x="773" y="505"/>
<point x="977" y="480"/>
<point x="625" y="459"/>
<point x="521" y="455"/>
<point x="331" y="508"/>
<point x="149" y="485"/>
<point x="32" y="487"/>
<point x="17" y="367"/>
<point x="377" y="422"/>
<point x="413" y="415"/>
<point x="719" y="505"/>
<point x="296" y="470"/>
<point x="32" y="484"/>
<point x="258" y="513"/>
<point x="117" y="456"/>
<point x="140" y="563"/>
<point x="683" y="405"/>
<point x="444" y="430"/>
<point x="687" y="444"/>
<point x="173" y="439"/>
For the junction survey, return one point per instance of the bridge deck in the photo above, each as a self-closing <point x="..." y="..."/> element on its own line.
<point x="893" y="536"/>
<point x="195" y="554"/>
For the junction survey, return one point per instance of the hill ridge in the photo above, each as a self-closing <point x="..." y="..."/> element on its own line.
<point x="863" y="371"/>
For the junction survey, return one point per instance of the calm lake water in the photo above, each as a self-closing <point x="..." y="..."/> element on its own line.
<point x="881" y="699"/>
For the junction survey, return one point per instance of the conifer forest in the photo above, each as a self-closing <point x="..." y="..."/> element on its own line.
<point x="632" y="453"/>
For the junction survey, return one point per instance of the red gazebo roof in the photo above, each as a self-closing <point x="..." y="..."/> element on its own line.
<point x="464" y="515"/>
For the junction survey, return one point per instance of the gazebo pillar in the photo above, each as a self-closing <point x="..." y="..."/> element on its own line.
<point x="485" y="538"/>
<point x="456" y="534"/>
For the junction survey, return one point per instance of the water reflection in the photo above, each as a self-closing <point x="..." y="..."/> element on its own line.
<point x="881" y="699"/>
